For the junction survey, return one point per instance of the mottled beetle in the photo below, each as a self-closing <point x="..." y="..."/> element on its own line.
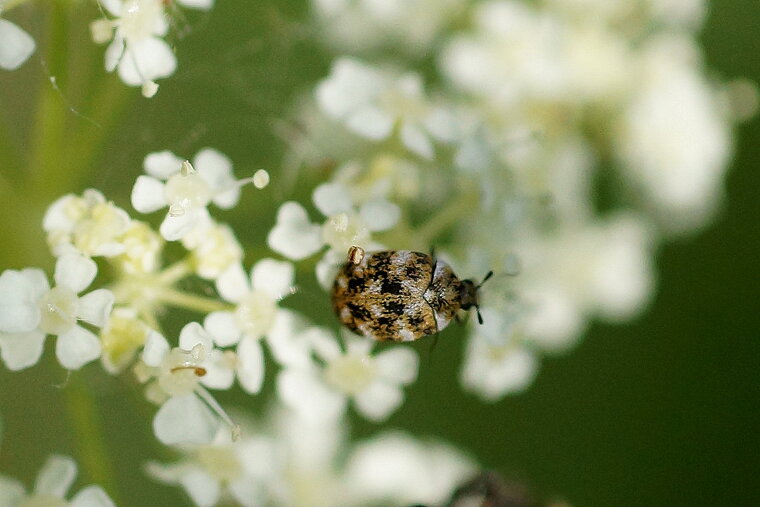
<point x="400" y="295"/>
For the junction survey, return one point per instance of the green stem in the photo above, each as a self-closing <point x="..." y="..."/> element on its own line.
<point x="87" y="422"/>
<point x="191" y="301"/>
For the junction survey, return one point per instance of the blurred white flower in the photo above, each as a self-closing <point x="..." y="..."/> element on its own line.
<point x="187" y="189"/>
<point x="395" y="469"/>
<point x="223" y="470"/>
<point x="214" y="248"/>
<point x="16" y="46"/>
<point x="30" y="310"/>
<point x="372" y="104"/>
<point x="137" y="48"/>
<point x="673" y="141"/>
<point x="51" y="488"/>
<point x="373" y="382"/>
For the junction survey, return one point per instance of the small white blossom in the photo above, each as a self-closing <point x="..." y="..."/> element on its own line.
<point x="294" y="235"/>
<point x="496" y="363"/>
<point x="88" y="224"/>
<point x="137" y="49"/>
<point x="256" y="298"/>
<point x="214" y="249"/>
<point x="372" y="104"/>
<point x="16" y="46"/>
<point x="222" y="470"/>
<point x="186" y="189"/>
<point x="51" y="488"/>
<point x="373" y="382"/>
<point x="30" y="309"/>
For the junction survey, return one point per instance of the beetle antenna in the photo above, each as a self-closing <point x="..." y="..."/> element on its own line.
<point x="485" y="279"/>
<point x="480" y="317"/>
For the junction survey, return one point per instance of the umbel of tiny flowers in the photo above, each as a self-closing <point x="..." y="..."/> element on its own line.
<point x="30" y="310"/>
<point x="137" y="48"/>
<point x="188" y="188"/>
<point x="51" y="487"/>
<point x="16" y="46"/>
<point x="373" y="382"/>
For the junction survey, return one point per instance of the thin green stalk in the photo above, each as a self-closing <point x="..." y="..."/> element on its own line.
<point x="87" y="421"/>
<point x="191" y="301"/>
<point x="445" y="218"/>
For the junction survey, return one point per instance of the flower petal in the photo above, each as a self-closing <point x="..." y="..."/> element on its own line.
<point x="294" y="236"/>
<point x="202" y="488"/>
<point x="75" y="271"/>
<point x="19" y="299"/>
<point x="148" y="195"/>
<point x="233" y="283"/>
<point x="287" y="346"/>
<point x="379" y="214"/>
<point x="21" y="350"/>
<point x="273" y="277"/>
<point x="11" y="491"/>
<point x="56" y="476"/>
<point x="197" y="4"/>
<point x="77" y="347"/>
<point x="332" y="198"/>
<point x="156" y="348"/>
<point x="370" y="122"/>
<point x="92" y="496"/>
<point x="378" y="401"/>
<point x="114" y="52"/>
<point x="223" y="328"/>
<point x="16" y="46"/>
<point x="398" y="365"/>
<point x="193" y="334"/>
<point x="185" y="420"/>
<point x="162" y="164"/>
<point x="250" y="369"/>
<point x="219" y="372"/>
<point x="303" y="391"/>
<point x="146" y="60"/>
<point x="216" y="169"/>
<point x="95" y="307"/>
<point x="416" y="140"/>
<point x="174" y="228"/>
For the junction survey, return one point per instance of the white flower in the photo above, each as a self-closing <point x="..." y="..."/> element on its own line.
<point x="88" y="224"/>
<point x="295" y="237"/>
<point x="496" y="363"/>
<point x="142" y="249"/>
<point x="395" y="469"/>
<point x="186" y="189"/>
<point x="600" y="269"/>
<point x="255" y="315"/>
<point x="212" y="473"/>
<point x="372" y="104"/>
<point x="16" y="46"/>
<point x="137" y="47"/>
<point x="51" y="487"/>
<point x="373" y="382"/>
<point x="183" y="416"/>
<point x="30" y="309"/>
<point x="673" y="139"/>
<point x="121" y="337"/>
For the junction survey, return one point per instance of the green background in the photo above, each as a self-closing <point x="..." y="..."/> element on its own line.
<point x="661" y="411"/>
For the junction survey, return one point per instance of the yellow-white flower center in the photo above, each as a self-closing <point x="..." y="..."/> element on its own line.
<point x="139" y="18"/>
<point x="59" y="310"/>
<point x="186" y="191"/>
<point x="103" y="225"/>
<point x="180" y="371"/>
<point x="351" y="373"/>
<point x="220" y="462"/>
<point x="255" y="313"/>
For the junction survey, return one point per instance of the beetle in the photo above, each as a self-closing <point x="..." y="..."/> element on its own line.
<point x="400" y="295"/>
